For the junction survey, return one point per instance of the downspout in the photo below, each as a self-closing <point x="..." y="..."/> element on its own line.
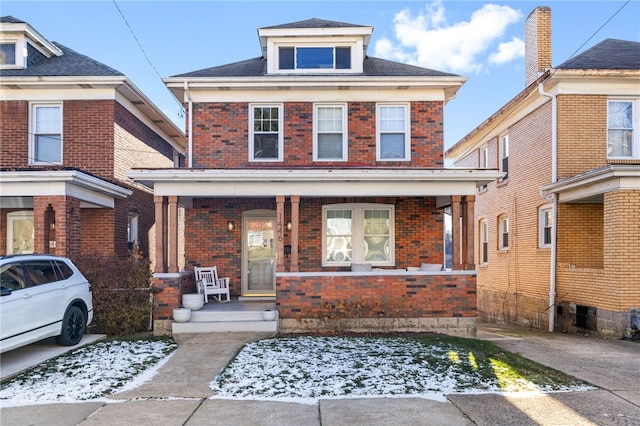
<point x="554" y="206"/>
<point x="189" y="124"/>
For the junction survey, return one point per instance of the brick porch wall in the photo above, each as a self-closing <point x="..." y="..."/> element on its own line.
<point x="444" y="302"/>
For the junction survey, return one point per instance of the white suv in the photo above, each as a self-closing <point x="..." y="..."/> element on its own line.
<point x="42" y="296"/>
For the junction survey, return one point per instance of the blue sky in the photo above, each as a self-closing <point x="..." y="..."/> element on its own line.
<point x="477" y="39"/>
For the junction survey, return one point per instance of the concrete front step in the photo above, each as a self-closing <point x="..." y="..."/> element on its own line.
<point x="225" y="321"/>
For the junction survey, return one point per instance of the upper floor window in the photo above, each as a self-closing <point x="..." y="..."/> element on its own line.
<point x="45" y="132"/>
<point x="503" y="232"/>
<point x="545" y="221"/>
<point x="504" y="156"/>
<point x="330" y="130"/>
<point x="622" y="140"/>
<point x="7" y="54"/>
<point x="265" y="133"/>
<point x="484" y="242"/>
<point x="358" y="233"/>
<point x="484" y="158"/>
<point x="306" y="58"/>
<point x="393" y="135"/>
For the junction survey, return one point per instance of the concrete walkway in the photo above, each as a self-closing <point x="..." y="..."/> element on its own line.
<point x="178" y="394"/>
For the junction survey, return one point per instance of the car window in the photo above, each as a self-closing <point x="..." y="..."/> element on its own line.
<point x="64" y="271"/>
<point x="40" y="272"/>
<point x="12" y="276"/>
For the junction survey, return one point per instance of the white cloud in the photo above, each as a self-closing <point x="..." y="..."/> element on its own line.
<point x="430" y="41"/>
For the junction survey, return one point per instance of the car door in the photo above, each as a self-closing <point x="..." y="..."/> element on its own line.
<point x="17" y="310"/>
<point x="48" y="295"/>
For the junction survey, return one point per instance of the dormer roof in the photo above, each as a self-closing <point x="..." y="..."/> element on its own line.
<point x="609" y="54"/>
<point x="27" y="42"/>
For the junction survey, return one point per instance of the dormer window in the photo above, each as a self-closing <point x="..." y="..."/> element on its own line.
<point x="310" y="58"/>
<point x="7" y="54"/>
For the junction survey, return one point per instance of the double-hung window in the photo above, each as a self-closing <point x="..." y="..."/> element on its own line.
<point x="45" y="145"/>
<point x="622" y="123"/>
<point x="504" y="156"/>
<point x="393" y="132"/>
<point x="504" y="232"/>
<point x="545" y="221"/>
<point x="7" y="54"/>
<point x="265" y="132"/>
<point x="358" y="233"/>
<point x="330" y="133"/>
<point x="484" y="242"/>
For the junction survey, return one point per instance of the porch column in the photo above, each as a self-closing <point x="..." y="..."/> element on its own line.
<point x="161" y="228"/>
<point x="455" y="233"/>
<point x="468" y="223"/>
<point x="295" y="219"/>
<point x="280" y="233"/>
<point x="173" y="234"/>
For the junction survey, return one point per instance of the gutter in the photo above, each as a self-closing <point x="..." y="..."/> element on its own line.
<point x="190" y="124"/>
<point x="554" y="208"/>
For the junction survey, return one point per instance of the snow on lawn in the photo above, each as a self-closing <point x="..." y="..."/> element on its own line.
<point x="88" y="373"/>
<point x="309" y="368"/>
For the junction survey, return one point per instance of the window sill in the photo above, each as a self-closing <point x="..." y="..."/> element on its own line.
<point x="502" y="183"/>
<point x="503" y="249"/>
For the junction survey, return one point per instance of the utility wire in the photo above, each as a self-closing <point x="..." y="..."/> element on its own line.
<point x="144" y="52"/>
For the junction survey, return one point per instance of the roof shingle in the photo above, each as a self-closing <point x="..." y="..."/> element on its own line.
<point x="609" y="54"/>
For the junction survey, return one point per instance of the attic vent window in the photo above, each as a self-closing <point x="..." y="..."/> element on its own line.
<point x="7" y="53"/>
<point x="314" y="58"/>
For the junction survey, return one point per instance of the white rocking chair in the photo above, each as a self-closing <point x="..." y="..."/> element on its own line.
<point x="209" y="284"/>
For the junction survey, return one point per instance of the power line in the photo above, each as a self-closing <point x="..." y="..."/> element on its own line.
<point x="143" y="51"/>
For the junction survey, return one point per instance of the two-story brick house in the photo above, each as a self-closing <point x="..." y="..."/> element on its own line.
<point x="70" y="129"/>
<point x="312" y="158"/>
<point x="558" y="237"/>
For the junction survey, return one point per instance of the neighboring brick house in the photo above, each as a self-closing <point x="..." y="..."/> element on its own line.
<point x="558" y="237"/>
<point x="70" y="130"/>
<point x="309" y="159"/>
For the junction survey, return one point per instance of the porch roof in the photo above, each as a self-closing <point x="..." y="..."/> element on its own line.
<point x="591" y="186"/>
<point x="90" y="190"/>
<point x="313" y="182"/>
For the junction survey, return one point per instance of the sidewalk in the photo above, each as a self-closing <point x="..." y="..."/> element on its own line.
<point x="178" y="394"/>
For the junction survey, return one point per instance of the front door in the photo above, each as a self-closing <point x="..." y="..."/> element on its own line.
<point x="259" y="253"/>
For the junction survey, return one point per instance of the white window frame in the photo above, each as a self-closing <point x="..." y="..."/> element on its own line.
<point x="357" y="237"/>
<point x="132" y="228"/>
<point x="280" y="132"/>
<point x="344" y="131"/>
<point x="545" y="212"/>
<point x="33" y="106"/>
<point x="354" y="43"/>
<point x="17" y="59"/>
<point x="504" y="155"/>
<point x="635" y="127"/>
<point x="503" y="228"/>
<point x="484" y="240"/>
<point x="483" y="161"/>
<point x="407" y="131"/>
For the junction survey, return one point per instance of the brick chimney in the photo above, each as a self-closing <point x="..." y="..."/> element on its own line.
<point x="537" y="43"/>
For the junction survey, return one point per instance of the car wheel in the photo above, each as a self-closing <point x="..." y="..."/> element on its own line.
<point x="73" y="325"/>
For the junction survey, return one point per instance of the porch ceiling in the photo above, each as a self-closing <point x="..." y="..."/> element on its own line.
<point x="314" y="182"/>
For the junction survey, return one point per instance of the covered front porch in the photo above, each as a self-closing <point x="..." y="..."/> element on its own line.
<point x="315" y="225"/>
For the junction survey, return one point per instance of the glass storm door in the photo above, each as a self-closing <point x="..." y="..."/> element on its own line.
<point x="259" y="254"/>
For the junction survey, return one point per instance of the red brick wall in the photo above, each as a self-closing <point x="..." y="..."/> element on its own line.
<point x="14" y="133"/>
<point x="427" y="296"/>
<point x="221" y="138"/>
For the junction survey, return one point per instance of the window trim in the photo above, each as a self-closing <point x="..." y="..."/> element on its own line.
<point x="483" y="160"/>
<point x="353" y="57"/>
<point x="635" y="122"/>
<point x="345" y="131"/>
<point x="33" y="106"/>
<point x="20" y="215"/>
<point x="357" y="216"/>
<point x="17" y="63"/>
<point x="504" y="156"/>
<point x="502" y="220"/>
<point x="542" y="216"/>
<point x="483" y="243"/>
<point x="280" y="132"/>
<point x="407" y="130"/>
<point x="133" y="229"/>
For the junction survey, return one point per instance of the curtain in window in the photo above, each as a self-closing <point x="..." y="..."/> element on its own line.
<point x="339" y="231"/>
<point x="620" y="131"/>
<point x="376" y="235"/>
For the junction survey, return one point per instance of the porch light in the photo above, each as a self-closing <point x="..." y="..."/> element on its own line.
<point x="231" y="226"/>
<point x="289" y="226"/>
